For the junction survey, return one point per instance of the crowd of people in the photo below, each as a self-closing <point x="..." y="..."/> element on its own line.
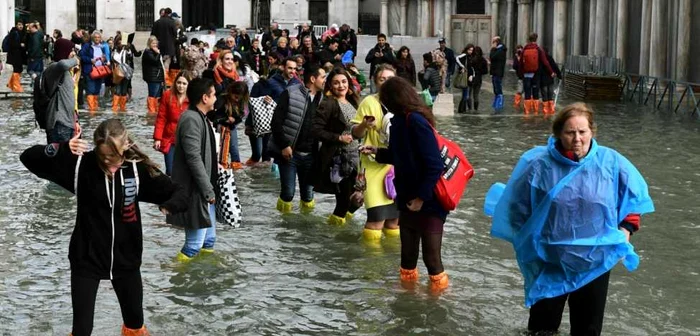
<point x="299" y="99"/>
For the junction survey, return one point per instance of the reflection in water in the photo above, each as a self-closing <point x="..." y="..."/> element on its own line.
<point x="294" y="274"/>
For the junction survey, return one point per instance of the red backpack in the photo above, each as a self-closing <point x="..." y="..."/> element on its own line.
<point x="531" y="60"/>
<point x="455" y="175"/>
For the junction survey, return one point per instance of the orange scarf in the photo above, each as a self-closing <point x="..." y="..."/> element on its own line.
<point x="221" y="71"/>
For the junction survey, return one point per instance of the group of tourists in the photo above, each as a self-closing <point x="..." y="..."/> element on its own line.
<point x="301" y="108"/>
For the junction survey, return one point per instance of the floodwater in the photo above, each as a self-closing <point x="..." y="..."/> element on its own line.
<point x="296" y="275"/>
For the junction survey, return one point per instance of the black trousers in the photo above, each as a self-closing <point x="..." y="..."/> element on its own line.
<point x="129" y="290"/>
<point x="417" y="228"/>
<point x="586" y="310"/>
<point x="342" y="199"/>
<point x="547" y="92"/>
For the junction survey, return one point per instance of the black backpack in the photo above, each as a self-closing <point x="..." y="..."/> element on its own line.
<point x="42" y="100"/>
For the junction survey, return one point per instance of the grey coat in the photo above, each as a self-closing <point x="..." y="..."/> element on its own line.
<point x="192" y="169"/>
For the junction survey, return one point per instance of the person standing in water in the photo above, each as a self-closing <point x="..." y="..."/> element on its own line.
<point x="107" y="242"/>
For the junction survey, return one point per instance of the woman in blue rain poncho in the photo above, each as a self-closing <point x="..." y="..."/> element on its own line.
<point x="569" y="209"/>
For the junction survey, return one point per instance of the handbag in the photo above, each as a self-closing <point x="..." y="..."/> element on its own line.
<point x="228" y="205"/>
<point x="357" y="198"/>
<point x="389" y="187"/>
<point x="262" y="115"/>
<point x="99" y="72"/>
<point x="461" y="80"/>
<point x="117" y="74"/>
<point x="455" y="175"/>
<point x="426" y="97"/>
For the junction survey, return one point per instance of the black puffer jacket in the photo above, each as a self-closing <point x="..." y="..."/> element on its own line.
<point x="152" y="67"/>
<point x="498" y="60"/>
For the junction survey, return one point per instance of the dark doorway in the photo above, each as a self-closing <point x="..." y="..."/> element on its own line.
<point x="203" y="13"/>
<point x="471" y="7"/>
<point x="318" y="12"/>
<point x="144" y="15"/>
<point x="260" y="14"/>
<point x="87" y="14"/>
<point x="31" y="10"/>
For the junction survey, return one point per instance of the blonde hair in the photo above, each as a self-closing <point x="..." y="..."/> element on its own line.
<point x="282" y="39"/>
<point x="570" y="111"/>
<point x="151" y="39"/>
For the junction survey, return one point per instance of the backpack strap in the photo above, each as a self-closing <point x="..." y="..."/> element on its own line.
<point x="75" y="177"/>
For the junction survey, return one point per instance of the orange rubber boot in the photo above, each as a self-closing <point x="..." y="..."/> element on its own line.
<point x="536" y="106"/>
<point x="122" y="103"/>
<point x="115" y="103"/>
<point x="93" y="102"/>
<point x="439" y="282"/>
<point x="528" y="106"/>
<point x="135" y="332"/>
<point x="518" y="99"/>
<point x="551" y="107"/>
<point x="15" y="84"/>
<point x="409" y="278"/>
<point x="152" y="105"/>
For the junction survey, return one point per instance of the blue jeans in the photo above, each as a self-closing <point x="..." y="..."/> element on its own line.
<point x="93" y="86"/>
<point x="233" y="146"/>
<point x="448" y="79"/>
<point x="465" y="93"/>
<point x="259" y="147"/>
<point x="289" y="170"/>
<point x="497" y="85"/>
<point x="532" y="90"/>
<point x="35" y="66"/>
<point x="169" y="156"/>
<point x="154" y="89"/>
<point x="197" y="239"/>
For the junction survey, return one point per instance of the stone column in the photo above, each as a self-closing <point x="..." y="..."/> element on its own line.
<point x="591" y="26"/>
<point x="539" y="18"/>
<point x="577" y="30"/>
<point x="560" y="14"/>
<point x="657" y="48"/>
<point x="601" y="28"/>
<point x="524" y="28"/>
<point x="621" y="38"/>
<point x="494" y="18"/>
<point x="683" y="47"/>
<point x="425" y="18"/>
<point x="384" y="18"/>
<point x="448" y="22"/>
<point x="508" y="39"/>
<point x="404" y="14"/>
<point x="645" y="38"/>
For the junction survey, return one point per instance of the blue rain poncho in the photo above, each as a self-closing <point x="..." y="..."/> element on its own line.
<point x="562" y="217"/>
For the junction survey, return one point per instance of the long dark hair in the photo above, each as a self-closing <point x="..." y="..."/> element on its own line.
<point x="398" y="55"/>
<point x="352" y="96"/>
<point x="239" y="89"/>
<point x="400" y="98"/>
<point x="464" y="51"/>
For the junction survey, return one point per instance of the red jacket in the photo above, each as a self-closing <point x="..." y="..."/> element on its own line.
<point x="166" y="121"/>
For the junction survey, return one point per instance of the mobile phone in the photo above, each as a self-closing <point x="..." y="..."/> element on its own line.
<point x="369" y="118"/>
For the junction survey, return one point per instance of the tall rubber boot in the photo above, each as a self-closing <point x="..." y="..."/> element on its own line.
<point x="439" y="282"/>
<point x="173" y="74"/>
<point x="135" y="332"/>
<point x="528" y="106"/>
<point x="372" y="237"/>
<point x="495" y="102"/>
<point x="335" y="220"/>
<point x="546" y="107"/>
<point x="409" y="278"/>
<point x="122" y="103"/>
<point x="552" y="109"/>
<point x="392" y="233"/>
<point x="307" y="206"/>
<point x="469" y="104"/>
<point x="115" y="103"/>
<point x="536" y="106"/>
<point x="499" y="102"/>
<point x="152" y="105"/>
<point x="16" y="85"/>
<point x="517" y="100"/>
<point x="284" y="207"/>
<point x="93" y="102"/>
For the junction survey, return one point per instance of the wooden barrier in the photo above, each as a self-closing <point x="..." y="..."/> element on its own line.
<point x="591" y="87"/>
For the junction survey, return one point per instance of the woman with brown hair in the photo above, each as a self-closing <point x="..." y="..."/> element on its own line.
<point x="335" y="168"/>
<point x="173" y="103"/>
<point x="229" y="112"/>
<point x="405" y="67"/>
<point x="414" y="152"/>
<point x="225" y="71"/>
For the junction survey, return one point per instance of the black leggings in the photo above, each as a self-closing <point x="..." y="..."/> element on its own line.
<point x="417" y="227"/>
<point x="547" y="92"/>
<point x="586" y="310"/>
<point x="129" y="290"/>
<point x="342" y="198"/>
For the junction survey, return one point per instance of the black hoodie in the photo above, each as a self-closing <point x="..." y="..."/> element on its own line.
<point x="107" y="240"/>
